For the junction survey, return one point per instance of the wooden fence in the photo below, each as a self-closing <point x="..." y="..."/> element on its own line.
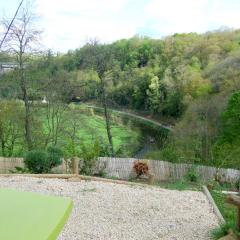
<point x="123" y="168"/>
<point x="164" y="171"/>
<point x="9" y="164"/>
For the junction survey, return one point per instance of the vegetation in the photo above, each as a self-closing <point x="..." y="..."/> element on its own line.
<point x="189" y="79"/>
<point x="229" y="213"/>
<point x="181" y="185"/>
<point x="207" y="136"/>
<point x="71" y="134"/>
<point x="192" y="174"/>
<point x="89" y="155"/>
<point x="39" y="161"/>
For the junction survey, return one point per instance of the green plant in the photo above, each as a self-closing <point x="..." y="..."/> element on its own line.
<point x="101" y="173"/>
<point x="39" y="161"/>
<point x="192" y="174"/>
<point x="181" y="185"/>
<point x="237" y="184"/>
<point x="36" y="161"/>
<point x="19" y="170"/>
<point x="223" y="230"/>
<point x="88" y="158"/>
<point x="54" y="157"/>
<point x="229" y="213"/>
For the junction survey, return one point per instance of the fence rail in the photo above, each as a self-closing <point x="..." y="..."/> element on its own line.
<point x="164" y="171"/>
<point x="123" y="168"/>
<point x="9" y="164"/>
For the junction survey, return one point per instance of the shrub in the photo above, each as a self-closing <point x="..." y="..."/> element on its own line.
<point x="36" y="161"/>
<point x="54" y="157"/>
<point x="141" y="168"/>
<point x="192" y="174"/>
<point x="167" y="153"/>
<point x="237" y="184"/>
<point x="19" y="170"/>
<point x="39" y="161"/>
<point x="89" y="155"/>
<point x="222" y="231"/>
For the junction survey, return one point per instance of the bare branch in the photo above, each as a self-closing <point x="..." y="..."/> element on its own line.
<point x="9" y="26"/>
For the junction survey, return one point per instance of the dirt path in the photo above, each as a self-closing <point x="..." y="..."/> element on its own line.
<point x="141" y="118"/>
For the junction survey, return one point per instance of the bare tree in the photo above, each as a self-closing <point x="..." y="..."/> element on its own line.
<point x="106" y="115"/>
<point x="103" y="58"/>
<point x="22" y="41"/>
<point x="11" y="23"/>
<point x="100" y="57"/>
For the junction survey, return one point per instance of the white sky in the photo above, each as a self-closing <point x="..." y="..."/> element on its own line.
<point x="68" y="24"/>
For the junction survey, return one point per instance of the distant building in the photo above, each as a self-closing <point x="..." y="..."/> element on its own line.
<point x="44" y="100"/>
<point x="5" y="67"/>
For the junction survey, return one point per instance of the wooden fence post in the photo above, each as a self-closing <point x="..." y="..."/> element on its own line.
<point x="75" y="166"/>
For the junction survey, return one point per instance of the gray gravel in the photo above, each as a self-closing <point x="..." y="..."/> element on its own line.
<point x="109" y="211"/>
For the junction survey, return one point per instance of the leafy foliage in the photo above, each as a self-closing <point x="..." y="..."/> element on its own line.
<point x="54" y="155"/>
<point x="39" y="161"/>
<point x="192" y="174"/>
<point x="36" y="161"/>
<point x="89" y="155"/>
<point x="227" y="146"/>
<point x="229" y="213"/>
<point x="186" y="79"/>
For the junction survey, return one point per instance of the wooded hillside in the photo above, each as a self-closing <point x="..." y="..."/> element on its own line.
<point x="191" y="80"/>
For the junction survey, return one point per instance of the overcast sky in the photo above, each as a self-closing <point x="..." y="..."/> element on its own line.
<point x="68" y="24"/>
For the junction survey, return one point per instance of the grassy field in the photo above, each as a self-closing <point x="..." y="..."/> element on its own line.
<point x="125" y="140"/>
<point x="91" y="127"/>
<point x="88" y="129"/>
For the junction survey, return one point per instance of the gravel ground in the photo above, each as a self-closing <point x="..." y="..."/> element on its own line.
<point x="109" y="211"/>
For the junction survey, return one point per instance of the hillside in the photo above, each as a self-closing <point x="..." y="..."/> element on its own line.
<point x="189" y="79"/>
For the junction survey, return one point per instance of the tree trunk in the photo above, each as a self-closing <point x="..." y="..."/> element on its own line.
<point x="107" y="119"/>
<point x="27" y="122"/>
<point x="3" y="148"/>
<point x="26" y="104"/>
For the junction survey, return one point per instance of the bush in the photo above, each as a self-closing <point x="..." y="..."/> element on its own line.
<point x="167" y="153"/>
<point x="38" y="161"/>
<point x="19" y="170"/>
<point x="141" y="168"/>
<point x="54" y="157"/>
<point x="237" y="184"/>
<point x="89" y="155"/>
<point x="192" y="174"/>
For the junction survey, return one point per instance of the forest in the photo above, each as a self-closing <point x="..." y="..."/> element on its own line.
<point x="190" y="82"/>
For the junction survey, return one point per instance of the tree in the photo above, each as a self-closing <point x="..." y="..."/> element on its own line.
<point x="10" y="25"/>
<point x="99" y="57"/>
<point x="71" y="131"/>
<point x="21" y="40"/>
<point x="102" y="74"/>
<point x="154" y="94"/>
<point x="195" y="135"/>
<point x="11" y="124"/>
<point x="231" y="119"/>
<point x="227" y="148"/>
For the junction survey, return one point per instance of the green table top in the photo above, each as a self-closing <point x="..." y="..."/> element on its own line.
<point x="31" y="216"/>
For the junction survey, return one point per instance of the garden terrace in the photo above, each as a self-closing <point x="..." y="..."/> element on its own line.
<point x="104" y="210"/>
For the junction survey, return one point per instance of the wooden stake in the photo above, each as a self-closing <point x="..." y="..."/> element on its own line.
<point x="75" y="166"/>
